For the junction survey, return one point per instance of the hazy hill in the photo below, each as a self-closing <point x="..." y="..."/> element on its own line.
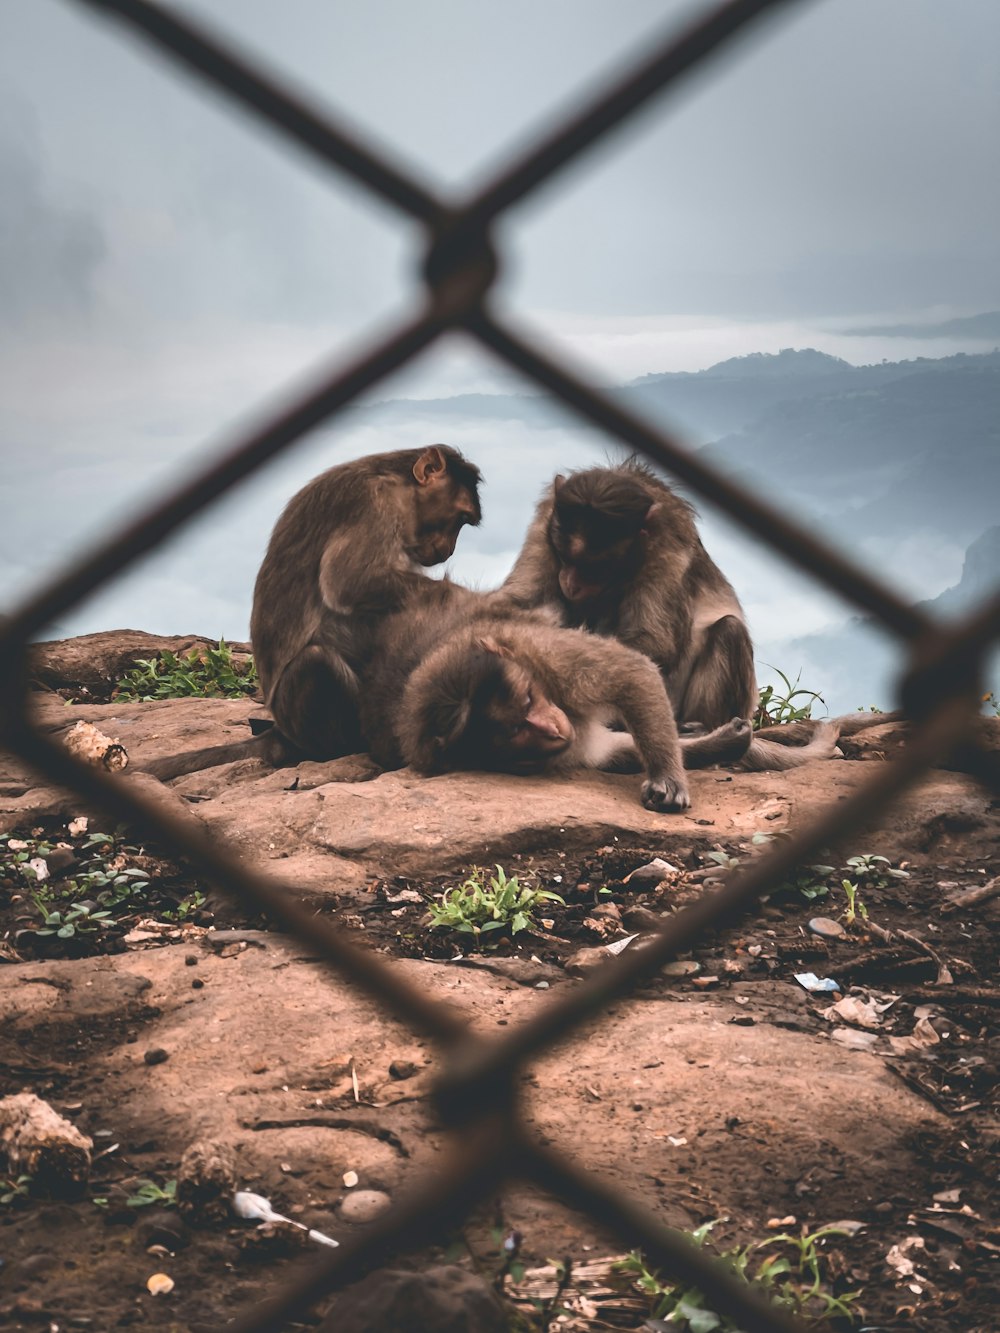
<point x="893" y="447"/>
<point x="985" y="326"/>
<point x="865" y="663"/>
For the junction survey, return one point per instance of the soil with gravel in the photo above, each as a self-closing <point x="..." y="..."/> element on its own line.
<point x="928" y="975"/>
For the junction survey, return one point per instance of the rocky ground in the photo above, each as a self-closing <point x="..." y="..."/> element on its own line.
<point x="726" y="1089"/>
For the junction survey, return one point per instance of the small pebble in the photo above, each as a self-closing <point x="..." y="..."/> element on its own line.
<point x="826" y="928"/>
<point x="197" y="984"/>
<point x="680" y="967"/>
<point x="364" y="1205"/>
<point x="654" y="872"/>
<point x="883" y="1208"/>
<point x="401" y="1069"/>
<point x="159" y="1284"/>
<point x="191" y="960"/>
<point x="743" y="1020"/>
<point x="156" y="1055"/>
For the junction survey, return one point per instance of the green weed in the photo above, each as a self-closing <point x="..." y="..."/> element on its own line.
<point x="14" y="1189"/>
<point x="873" y="872"/>
<point x="477" y="906"/>
<point x="855" y="908"/>
<point x="774" y="708"/>
<point x="148" y="1192"/>
<point x="206" y="672"/>
<point x="787" y="1268"/>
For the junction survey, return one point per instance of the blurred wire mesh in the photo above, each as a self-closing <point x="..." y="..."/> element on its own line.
<point x="476" y="1093"/>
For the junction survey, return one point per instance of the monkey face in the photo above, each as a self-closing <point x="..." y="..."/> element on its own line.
<point x="528" y="730"/>
<point x="442" y="512"/>
<point x="597" y="552"/>
<point x="485" y="711"/>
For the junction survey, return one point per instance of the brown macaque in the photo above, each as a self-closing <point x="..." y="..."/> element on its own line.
<point x="347" y="551"/>
<point x="616" y="552"/>
<point x="464" y="686"/>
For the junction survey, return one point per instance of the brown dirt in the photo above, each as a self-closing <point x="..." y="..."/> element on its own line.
<point x="718" y="1094"/>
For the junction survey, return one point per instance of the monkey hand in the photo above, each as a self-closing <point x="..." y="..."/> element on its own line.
<point x="668" y="794"/>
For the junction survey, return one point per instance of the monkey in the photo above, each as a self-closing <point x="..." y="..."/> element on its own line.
<point x="347" y="550"/>
<point x="616" y="551"/>
<point x="478" y="685"/>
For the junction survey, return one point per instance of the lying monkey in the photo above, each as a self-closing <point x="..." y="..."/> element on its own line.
<point x="458" y="685"/>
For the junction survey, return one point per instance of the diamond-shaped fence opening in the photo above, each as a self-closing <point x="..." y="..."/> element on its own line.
<point x="477" y="1091"/>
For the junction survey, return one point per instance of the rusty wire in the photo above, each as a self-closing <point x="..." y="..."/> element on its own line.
<point x="477" y="1090"/>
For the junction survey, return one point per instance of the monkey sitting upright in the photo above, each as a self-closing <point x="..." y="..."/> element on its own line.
<point x="347" y="550"/>
<point x="615" y="551"/>
<point x="457" y="685"/>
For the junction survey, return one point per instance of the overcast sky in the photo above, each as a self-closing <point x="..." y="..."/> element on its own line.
<point x="168" y="266"/>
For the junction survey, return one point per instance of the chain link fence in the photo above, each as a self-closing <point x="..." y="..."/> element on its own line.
<point x="476" y="1093"/>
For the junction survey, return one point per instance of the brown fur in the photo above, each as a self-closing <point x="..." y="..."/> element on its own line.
<point x="458" y="684"/>
<point x="347" y="551"/>
<point x="618" y="553"/>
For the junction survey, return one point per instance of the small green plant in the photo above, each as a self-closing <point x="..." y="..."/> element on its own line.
<point x="186" y="907"/>
<point x="148" y="1192"/>
<point x="723" y="859"/>
<point x="787" y="1268"/>
<point x="855" y="908"/>
<point x="873" y="872"/>
<point x="774" y="708"/>
<point x="206" y="672"/>
<point x="14" y="1189"/>
<point x="477" y="906"/>
<point x="76" y="919"/>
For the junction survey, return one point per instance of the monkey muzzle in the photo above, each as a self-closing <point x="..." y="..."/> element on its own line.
<point x="576" y="587"/>
<point x="433" y="550"/>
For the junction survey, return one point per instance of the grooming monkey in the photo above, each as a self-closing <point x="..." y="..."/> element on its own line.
<point x="615" y="551"/>
<point x="457" y="684"/>
<point x="347" y="550"/>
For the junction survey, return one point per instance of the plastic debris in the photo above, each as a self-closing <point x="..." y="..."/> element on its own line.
<point x="619" y="945"/>
<point x="812" y="982"/>
<point x="853" y="1039"/>
<point x="255" y="1208"/>
<point x="863" y="1013"/>
<point x="923" y="1036"/>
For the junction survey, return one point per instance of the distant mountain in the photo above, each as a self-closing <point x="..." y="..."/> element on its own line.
<point x="863" y="663"/>
<point x="985" y="326"/>
<point x="980" y="578"/>
<point x="883" y="449"/>
<point x="700" y="405"/>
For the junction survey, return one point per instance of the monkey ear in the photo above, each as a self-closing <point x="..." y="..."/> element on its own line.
<point x="558" y="482"/>
<point x="490" y="645"/>
<point x="430" y="466"/>
<point x="650" y="516"/>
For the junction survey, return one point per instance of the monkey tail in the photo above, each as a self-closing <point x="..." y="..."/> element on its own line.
<point x="260" y="746"/>
<point x="797" y="733"/>
<point x="767" y="756"/>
